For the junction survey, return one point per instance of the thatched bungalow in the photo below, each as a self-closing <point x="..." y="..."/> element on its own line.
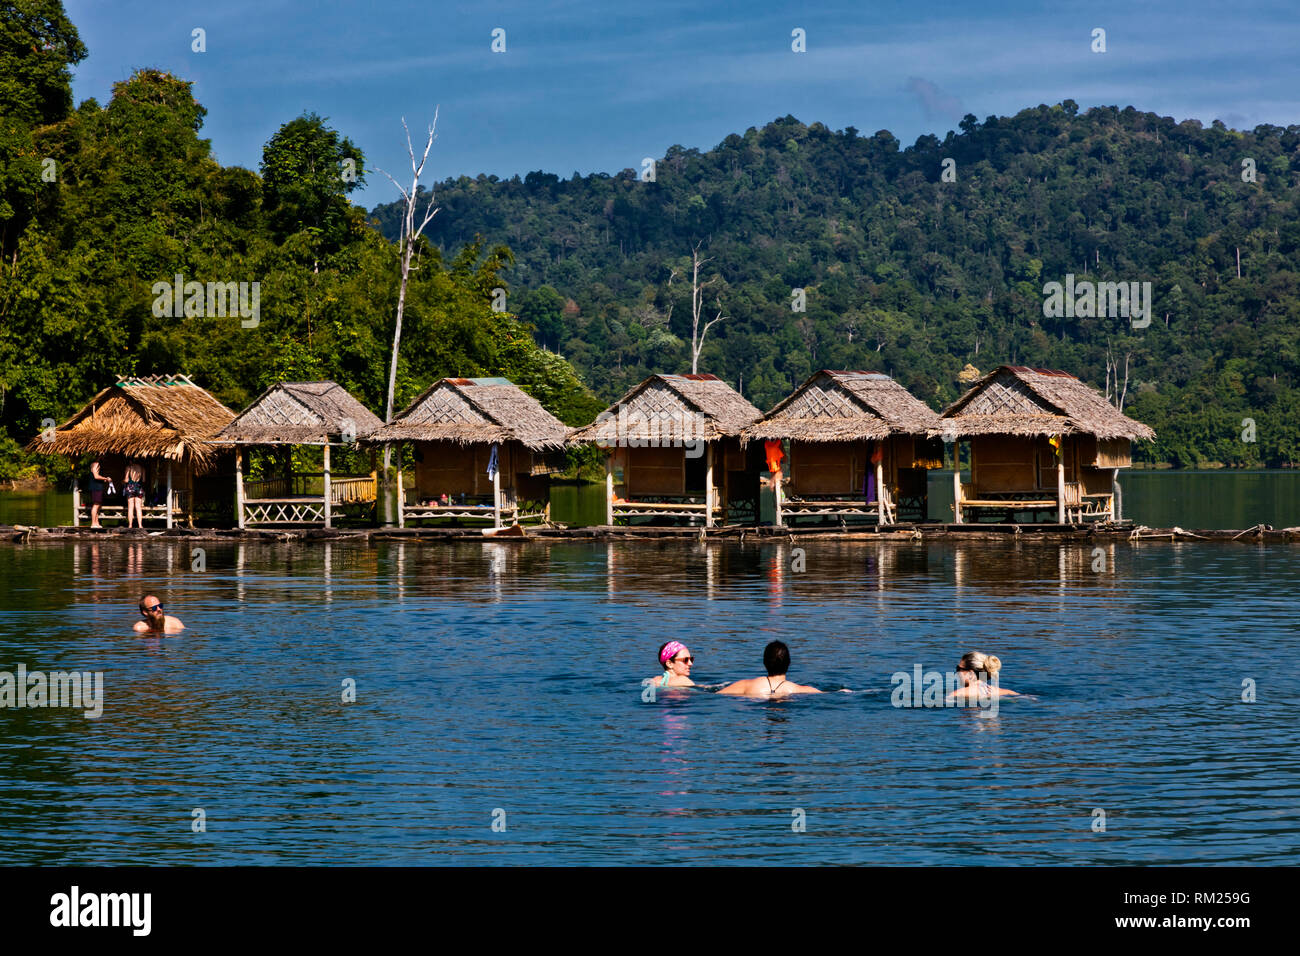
<point x="859" y="449"/>
<point x="676" y="439"/>
<point x="484" y="449"/>
<point x="165" y="424"/>
<point x="1040" y="441"/>
<point x="292" y="414"/>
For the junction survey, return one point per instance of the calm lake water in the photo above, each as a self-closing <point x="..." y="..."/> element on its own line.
<point x="1158" y="499"/>
<point x="500" y="681"/>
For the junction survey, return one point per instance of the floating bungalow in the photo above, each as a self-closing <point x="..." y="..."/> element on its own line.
<point x="164" y="423"/>
<point x="859" y="449"/>
<point x="291" y="414"/>
<point x="484" y="449"/>
<point x="1041" y="441"/>
<point x="676" y="441"/>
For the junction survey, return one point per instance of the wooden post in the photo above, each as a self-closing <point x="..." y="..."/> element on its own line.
<point x="374" y="490"/>
<point x="880" y="490"/>
<point x="956" y="482"/>
<point x="76" y="503"/>
<point x="169" y="494"/>
<point x="509" y="493"/>
<point x="401" y="495"/>
<point x="326" y="482"/>
<point x="708" y="485"/>
<point x="496" y="491"/>
<point x="609" y="488"/>
<point x="776" y="487"/>
<point x="239" y="486"/>
<point x="380" y="512"/>
<point x="1060" y="483"/>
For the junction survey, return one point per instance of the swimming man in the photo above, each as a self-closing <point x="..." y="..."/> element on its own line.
<point x="155" y="621"/>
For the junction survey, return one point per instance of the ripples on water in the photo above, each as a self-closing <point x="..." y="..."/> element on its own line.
<point x="507" y="676"/>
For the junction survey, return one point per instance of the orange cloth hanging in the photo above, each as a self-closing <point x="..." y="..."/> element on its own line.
<point x="774" y="455"/>
<point x="877" y="454"/>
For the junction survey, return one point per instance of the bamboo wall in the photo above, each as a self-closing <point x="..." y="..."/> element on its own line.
<point x="1007" y="463"/>
<point x="842" y="468"/>
<point x="446" y="467"/>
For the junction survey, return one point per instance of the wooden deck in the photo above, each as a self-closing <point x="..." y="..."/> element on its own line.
<point x="180" y="513"/>
<point x="296" y="500"/>
<point x="906" y="533"/>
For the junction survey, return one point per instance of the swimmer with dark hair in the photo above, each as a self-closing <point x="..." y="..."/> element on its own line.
<point x="776" y="658"/>
<point x="676" y="660"/>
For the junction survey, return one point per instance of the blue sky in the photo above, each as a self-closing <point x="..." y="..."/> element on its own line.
<point x="596" y="87"/>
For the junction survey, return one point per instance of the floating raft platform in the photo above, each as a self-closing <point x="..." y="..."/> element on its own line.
<point x="928" y="531"/>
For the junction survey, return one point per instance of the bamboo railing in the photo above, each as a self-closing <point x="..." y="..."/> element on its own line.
<point x="344" y="489"/>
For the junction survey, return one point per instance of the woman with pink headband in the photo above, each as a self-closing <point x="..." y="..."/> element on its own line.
<point x="675" y="658"/>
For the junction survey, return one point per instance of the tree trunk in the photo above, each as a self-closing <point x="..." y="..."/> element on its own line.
<point x="392" y="365"/>
<point x="406" y="248"/>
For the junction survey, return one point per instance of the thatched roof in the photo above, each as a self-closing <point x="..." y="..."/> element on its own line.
<point x="845" y="406"/>
<point x="301" y="413"/>
<point x="1014" y="400"/>
<point x="472" y="410"/>
<point x="670" y="408"/>
<point x="161" y="416"/>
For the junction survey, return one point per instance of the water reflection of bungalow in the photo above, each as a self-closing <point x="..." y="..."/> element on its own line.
<point x="1040" y="441"/>
<point x="165" y="424"/>
<point x="484" y="449"/>
<point x="294" y="414"/>
<point x="676" y="440"/>
<point x="858" y="449"/>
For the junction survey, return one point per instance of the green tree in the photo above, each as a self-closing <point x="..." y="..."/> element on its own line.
<point x="308" y="170"/>
<point x="38" y="47"/>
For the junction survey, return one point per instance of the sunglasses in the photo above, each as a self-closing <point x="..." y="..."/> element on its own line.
<point x="683" y="660"/>
<point x="147" y="610"/>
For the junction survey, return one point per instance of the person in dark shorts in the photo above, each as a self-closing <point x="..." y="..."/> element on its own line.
<point x="98" y="482"/>
<point x="133" y="491"/>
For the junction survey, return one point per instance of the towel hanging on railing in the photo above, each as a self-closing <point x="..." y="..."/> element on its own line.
<point x="492" y="463"/>
<point x="774" y="454"/>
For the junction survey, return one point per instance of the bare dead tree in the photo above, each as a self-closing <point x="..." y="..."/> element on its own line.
<point x="406" y="247"/>
<point x="697" y="306"/>
<point x="1119" y="393"/>
<point x="1123" y="393"/>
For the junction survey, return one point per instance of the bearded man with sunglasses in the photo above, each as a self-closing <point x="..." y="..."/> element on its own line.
<point x="155" y="621"/>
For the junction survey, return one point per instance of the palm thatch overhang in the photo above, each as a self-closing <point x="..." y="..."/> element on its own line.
<point x="301" y="413"/>
<point x="1019" y="401"/>
<point x="670" y="408"/>
<point x="472" y="411"/>
<point x="160" y="416"/>
<point x="845" y="407"/>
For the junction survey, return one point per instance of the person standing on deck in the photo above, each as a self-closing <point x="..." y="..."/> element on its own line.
<point x="98" y="482"/>
<point x="776" y="658"/>
<point x="133" y="491"/>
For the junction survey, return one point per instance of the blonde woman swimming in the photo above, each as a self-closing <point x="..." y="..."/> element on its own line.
<point x="975" y="670"/>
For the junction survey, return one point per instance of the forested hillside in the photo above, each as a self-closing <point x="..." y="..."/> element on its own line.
<point x="100" y="203"/>
<point x="916" y="276"/>
<point x="902" y="271"/>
